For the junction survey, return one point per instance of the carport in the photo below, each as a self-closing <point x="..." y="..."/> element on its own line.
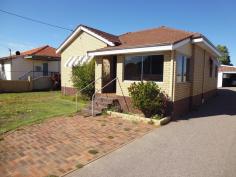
<point x="227" y="76"/>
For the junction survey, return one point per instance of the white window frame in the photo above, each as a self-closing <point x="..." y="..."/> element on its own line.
<point x="184" y="64"/>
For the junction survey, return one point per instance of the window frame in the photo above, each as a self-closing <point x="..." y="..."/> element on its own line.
<point x="141" y="77"/>
<point x="185" y="68"/>
<point x="37" y="67"/>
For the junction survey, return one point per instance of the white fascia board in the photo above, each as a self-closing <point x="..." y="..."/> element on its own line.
<point x="181" y="43"/>
<point x="201" y="40"/>
<point x="133" y="50"/>
<point x="141" y="49"/>
<point x="81" y="28"/>
<point x="228" y="72"/>
<point x="228" y="66"/>
<point x="97" y="36"/>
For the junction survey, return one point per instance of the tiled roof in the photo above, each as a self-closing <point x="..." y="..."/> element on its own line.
<point x="156" y="36"/>
<point x="42" y="51"/>
<point x="110" y="37"/>
<point x="46" y="51"/>
<point x="225" y="68"/>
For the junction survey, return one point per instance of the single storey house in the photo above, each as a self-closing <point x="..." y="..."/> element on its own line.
<point x="226" y="76"/>
<point x="183" y="64"/>
<point x="42" y="61"/>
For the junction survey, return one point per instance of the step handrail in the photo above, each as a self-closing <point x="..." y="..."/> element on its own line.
<point x="93" y="97"/>
<point x="100" y="90"/>
<point x="25" y="74"/>
<point x="77" y="93"/>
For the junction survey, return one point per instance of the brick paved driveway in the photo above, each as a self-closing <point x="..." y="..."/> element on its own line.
<point x="58" y="145"/>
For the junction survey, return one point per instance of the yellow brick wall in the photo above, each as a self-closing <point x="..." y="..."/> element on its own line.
<point x="182" y="90"/>
<point x="210" y="83"/>
<point x="165" y="85"/>
<point x="98" y="73"/>
<point x="83" y="43"/>
<point x="198" y="70"/>
<point x="199" y="61"/>
<point x="202" y="81"/>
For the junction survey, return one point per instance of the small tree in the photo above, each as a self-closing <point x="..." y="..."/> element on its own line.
<point x="148" y="98"/>
<point x="225" y="58"/>
<point x="83" y="75"/>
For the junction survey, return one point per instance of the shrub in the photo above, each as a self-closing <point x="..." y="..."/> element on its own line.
<point x="84" y="75"/>
<point x="148" y="98"/>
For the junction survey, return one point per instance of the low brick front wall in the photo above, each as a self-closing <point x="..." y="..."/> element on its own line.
<point x="176" y="109"/>
<point x="68" y="90"/>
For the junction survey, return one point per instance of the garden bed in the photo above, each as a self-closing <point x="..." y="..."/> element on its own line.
<point x="135" y="117"/>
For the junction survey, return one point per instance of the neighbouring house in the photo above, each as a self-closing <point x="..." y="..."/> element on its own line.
<point x="184" y="64"/>
<point x="226" y="76"/>
<point x="42" y="61"/>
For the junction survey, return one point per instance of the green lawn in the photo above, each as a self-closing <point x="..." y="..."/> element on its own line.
<point x="18" y="109"/>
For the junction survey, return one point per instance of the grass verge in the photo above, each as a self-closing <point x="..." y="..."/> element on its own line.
<point x="20" y="109"/>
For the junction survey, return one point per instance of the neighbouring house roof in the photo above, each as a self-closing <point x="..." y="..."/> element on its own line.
<point x="44" y="52"/>
<point x="227" y="68"/>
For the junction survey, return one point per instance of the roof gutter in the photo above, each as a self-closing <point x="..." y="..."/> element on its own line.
<point x="208" y="44"/>
<point x="156" y="48"/>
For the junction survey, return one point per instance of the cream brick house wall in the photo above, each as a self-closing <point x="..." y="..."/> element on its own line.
<point x="83" y="42"/>
<point x="124" y="84"/>
<point x="199" y="58"/>
<point x="210" y="83"/>
<point x="202" y="82"/>
<point x="176" y="90"/>
<point x="98" y="73"/>
<point x="182" y="90"/>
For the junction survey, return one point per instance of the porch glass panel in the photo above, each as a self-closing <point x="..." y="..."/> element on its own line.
<point x="133" y="66"/>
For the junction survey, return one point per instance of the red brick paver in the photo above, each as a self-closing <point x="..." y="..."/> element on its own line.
<point x="57" y="146"/>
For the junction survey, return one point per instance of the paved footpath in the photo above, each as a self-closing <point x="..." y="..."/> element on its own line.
<point x="203" y="144"/>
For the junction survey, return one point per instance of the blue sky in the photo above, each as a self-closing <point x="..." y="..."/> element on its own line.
<point x="216" y="19"/>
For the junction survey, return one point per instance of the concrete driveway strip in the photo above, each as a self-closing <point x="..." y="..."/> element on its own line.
<point x="203" y="144"/>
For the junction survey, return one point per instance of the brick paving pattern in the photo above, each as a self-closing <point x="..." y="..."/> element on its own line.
<point x="58" y="145"/>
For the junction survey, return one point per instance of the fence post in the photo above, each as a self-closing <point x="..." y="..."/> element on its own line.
<point x="30" y="83"/>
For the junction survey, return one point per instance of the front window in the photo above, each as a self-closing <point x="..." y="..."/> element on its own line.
<point x="182" y="68"/>
<point x="38" y="69"/>
<point x="133" y="67"/>
<point x="148" y="68"/>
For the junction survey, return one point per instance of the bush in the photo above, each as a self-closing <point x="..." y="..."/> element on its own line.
<point x="84" y="75"/>
<point x="148" y="98"/>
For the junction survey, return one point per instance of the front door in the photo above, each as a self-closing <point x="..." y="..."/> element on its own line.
<point x="45" y="69"/>
<point x="108" y="74"/>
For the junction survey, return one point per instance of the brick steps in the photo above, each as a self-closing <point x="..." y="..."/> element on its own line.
<point x="100" y="104"/>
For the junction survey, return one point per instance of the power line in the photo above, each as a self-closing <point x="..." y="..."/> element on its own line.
<point x="34" y="20"/>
